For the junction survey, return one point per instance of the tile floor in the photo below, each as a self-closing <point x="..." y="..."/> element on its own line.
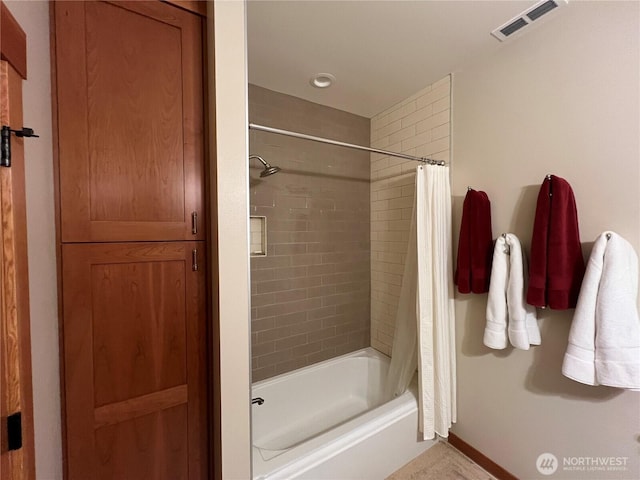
<point x="441" y="462"/>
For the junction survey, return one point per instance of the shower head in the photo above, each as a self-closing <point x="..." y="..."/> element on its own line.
<point x="268" y="169"/>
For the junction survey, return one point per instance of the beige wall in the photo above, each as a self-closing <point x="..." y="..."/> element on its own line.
<point x="310" y="294"/>
<point x="34" y="19"/>
<point x="419" y="126"/>
<point x="231" y="171"/>
<point x="561" y="99"/>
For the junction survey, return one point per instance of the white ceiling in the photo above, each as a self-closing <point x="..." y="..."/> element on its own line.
<point x="379" y="51"/>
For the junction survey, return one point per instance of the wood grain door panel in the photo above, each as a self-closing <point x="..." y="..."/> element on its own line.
<point x="130" y="112"/>
<point x="134" y="358"/>
<point x="16" y="394"/>
<point x="147" y="447"/>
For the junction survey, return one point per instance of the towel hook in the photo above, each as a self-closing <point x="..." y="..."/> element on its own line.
<point x="608" y="235"/>
<point x="507" y="247"/>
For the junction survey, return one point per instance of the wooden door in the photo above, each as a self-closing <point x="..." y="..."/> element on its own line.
<point x="130" y="121"/>
<point x="16" y="401"/>
<point x="134" y="354"/>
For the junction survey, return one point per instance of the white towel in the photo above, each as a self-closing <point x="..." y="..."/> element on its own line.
<point x="508" y="314"/>
<point x="523" y="321"/>
<point x="604" y="341"/>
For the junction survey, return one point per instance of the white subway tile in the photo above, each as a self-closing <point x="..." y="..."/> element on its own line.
<point x="433" y="147"/>
<point x="394" y="290"/>
<point x="434" y="95"/>
<point x="403" y="111"/>
<point x="402" y="202"/>
<point x="388" y="111"/>
<point x="380" y="205"/>
<point x="396" y="247"/>
<point x="443" y="155"/>
<point x="380" y="142"/>
<point x="408" y="190"/>
<point x="389" y="193"/>
<point x="441" y="131"/>
<point x="417" y="116"/>
<point x="379" y="164"/>
<point x="399" y="225"/>
<point x="434" y="121"/>
<point x="379" y="226"/>
<point x="389" y="215"/>
<point x="390" y="257"/>
<point x="442" y="104"/>
<point x="392" y="189"/>
<point x="380" y="121"/>
<point x="392" y="279"/>
<point x="396" y="161"/>
<point x="388" y="236"/>
<point x="386" y="130"/>
<point x="389" y="172"/>
<point x="410" y="169"/>
<point x="402" y="134"/>
<point x="386" y="328"/>
<point x="379" y="184"/>
<point x="416" y="140"/>
<point x="417" y="95"/>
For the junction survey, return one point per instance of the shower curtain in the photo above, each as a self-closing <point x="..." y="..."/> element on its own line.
<point x="425" y="329"/>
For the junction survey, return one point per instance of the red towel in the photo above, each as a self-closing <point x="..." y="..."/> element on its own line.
<point x="475" y="247"/>
<point x="557" y="266"/>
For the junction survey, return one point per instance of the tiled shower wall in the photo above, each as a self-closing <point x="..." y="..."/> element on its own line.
<point x="310" y="295"/>
<point x="419" y="126"/>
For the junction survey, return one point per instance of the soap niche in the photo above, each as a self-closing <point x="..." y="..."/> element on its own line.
<point x="258" y="229"/>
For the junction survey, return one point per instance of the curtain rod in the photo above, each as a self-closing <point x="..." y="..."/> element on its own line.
<point x="288" y="133"/>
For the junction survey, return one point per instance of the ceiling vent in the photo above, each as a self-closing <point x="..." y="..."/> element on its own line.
<point x="526" y="18"/>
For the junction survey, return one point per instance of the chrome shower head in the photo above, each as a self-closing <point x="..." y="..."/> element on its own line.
<point x="268" y="169"/>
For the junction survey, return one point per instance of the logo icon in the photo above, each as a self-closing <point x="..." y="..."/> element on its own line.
<point x="547" y="463"/>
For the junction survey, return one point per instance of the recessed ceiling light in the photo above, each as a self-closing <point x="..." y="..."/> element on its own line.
<point x="322" y="80"/>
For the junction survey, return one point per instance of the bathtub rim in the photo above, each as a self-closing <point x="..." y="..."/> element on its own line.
<point x="343" y="436"/>
<point x="366" y="352"/>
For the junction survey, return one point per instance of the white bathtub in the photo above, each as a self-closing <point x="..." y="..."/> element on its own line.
<point x="328" y="421"/>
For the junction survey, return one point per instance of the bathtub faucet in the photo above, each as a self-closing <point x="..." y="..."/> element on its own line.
<point x="258" y="400"/>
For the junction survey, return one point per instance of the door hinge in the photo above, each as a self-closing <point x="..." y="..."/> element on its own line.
<point x="194" y="222"/>
<point x="5" y="143"/>
<point x="194" y="260"/>
<point x="14" y="431"/>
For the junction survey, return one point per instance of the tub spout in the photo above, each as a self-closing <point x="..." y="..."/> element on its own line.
<point x="258" y="400"/>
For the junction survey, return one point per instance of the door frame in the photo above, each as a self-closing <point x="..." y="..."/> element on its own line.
<point x="15" y="329"/>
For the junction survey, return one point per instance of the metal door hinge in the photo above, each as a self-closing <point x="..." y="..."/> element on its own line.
<point x="194" y="222"/>
<point x="5" y="144"/>
<point x="14" y="431"/>
<point x="194" y="260"/>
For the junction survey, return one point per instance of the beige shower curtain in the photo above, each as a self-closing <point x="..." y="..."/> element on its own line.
<point x="425" y="323"/>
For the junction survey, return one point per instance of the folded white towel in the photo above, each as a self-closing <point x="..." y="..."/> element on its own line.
<point x="508" y="314"/>
<point x="495" y="332"/>
<point x="523" y="321"/>
<point x="604" y="341"/>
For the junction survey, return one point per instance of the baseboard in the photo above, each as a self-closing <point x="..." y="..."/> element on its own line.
<point x="480" y="458"/>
